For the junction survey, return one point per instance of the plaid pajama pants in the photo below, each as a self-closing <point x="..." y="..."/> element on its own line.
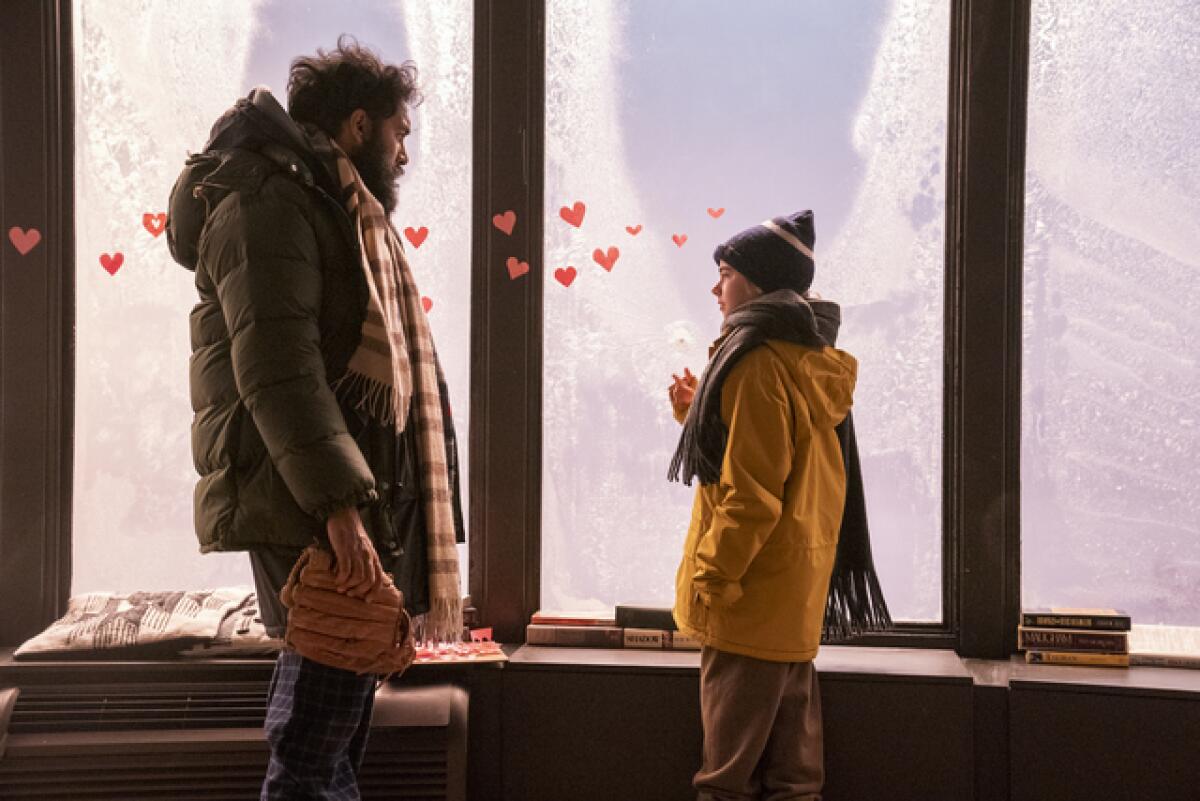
<point x="317" y="722"/>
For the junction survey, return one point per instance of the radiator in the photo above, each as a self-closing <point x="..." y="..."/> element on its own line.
<point x="177" y="743"/>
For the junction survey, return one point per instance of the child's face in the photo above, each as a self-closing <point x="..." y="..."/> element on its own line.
<point x="733" y="289"/>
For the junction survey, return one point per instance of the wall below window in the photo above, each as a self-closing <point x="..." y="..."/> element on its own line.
<point x="899" y="724"/>
<point x="582" y="724"/>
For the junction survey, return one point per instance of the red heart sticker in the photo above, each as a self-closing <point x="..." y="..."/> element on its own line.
<point x="24" y="241"/>
<point x="573" y="215"/>
<point x="715" y="213"/>
<point x="516" y="267"/>
<point x="565" y="275"/>
<point x="505" y="221"/>
<point x="679" y="239"/>
<point x="154" y="223"/>
<point x="416" y="235"/>
<point x="112" y="263"/>
<point x="634" y="230"/>
<point x="606" y="260"/>
<point x="426" y="303"/>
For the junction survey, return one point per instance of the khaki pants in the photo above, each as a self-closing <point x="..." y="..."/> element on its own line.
<point x="762" y="729"/>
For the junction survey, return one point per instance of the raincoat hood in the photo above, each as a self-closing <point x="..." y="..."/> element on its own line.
<point x="826" y="379"/>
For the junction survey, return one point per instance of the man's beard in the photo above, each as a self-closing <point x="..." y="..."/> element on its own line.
<point x="379" y="176"/>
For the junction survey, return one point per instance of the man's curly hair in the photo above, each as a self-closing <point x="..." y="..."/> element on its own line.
<point x="326" y="88"/>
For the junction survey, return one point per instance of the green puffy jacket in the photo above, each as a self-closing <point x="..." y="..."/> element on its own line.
<point x="282" y="300"/>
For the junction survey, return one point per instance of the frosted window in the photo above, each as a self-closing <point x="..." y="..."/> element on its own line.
<point x="1110" y="498"/>
<point x="657" y="112"/>
<point x="151" y="77"/>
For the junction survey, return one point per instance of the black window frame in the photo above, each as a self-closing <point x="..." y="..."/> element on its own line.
<point x="986" y="96"/>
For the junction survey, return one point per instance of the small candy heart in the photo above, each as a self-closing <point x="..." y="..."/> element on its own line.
<point x="154" y="223"/>
<point x="715" y="213"/>
<point x="516" y="268"/>
<point x="606" y="260"/>
<point x="416" y="235"/>
<point x="505" y="221"/>
<point x="573" y="215"/>
<point x="565" y="275"/>
<point x="24" y="241"/>
<point x="634" y="230"/>
<point x="679" y="239"/>
<point x="426" y="303"/>
<point x="112" y="263"/>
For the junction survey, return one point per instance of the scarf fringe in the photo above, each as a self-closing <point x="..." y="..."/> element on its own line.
<point x="368" y="394"/>
<point x="855" y="604"/>
<point x="441" y="624"/>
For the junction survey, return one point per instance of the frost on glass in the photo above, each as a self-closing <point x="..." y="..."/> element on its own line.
<point x="656" y="113"/>
<point x="1111" y="409"/>
<point x="151" y="77"/>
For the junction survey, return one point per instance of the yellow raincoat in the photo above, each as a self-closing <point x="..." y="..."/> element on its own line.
<point x="761" y="543"/>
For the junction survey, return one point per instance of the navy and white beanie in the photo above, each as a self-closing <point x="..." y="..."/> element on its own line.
<point x="776" y="254"/>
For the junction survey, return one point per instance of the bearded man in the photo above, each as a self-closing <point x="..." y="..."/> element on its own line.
<point x="321" y="413"/>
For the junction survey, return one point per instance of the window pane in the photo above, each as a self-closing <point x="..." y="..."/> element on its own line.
<point x="151" y="77"/>
<point x="1111" y="409"/>
<point x="657" y="112"/>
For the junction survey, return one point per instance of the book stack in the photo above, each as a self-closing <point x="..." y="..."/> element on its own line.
<point x="1068" y="636"/>
<point x="630" y="627"/>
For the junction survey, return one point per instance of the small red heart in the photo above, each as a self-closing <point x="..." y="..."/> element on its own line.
<point x="565" y="275"/>
<point x="573" y="215"/>
<point x="679" y="239"/>
<point x="154" y="223"/>
<point x="426" y="303"/>
<point x="24" y="241"/>
<point x="606" y="260"/>
<point x="416" y="235"/>
<point x="505" y="221"/>
<point x="112" y="263"/>
<point x="715" y="213"/>
<point x="634" y="230"/>
<point x="516" y="268"/>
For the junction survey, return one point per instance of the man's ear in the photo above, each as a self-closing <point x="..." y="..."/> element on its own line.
<point x="361" y="125"/>
<point x="355" y="131"/>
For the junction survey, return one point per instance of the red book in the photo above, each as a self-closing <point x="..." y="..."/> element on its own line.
<point x="543" y="617"/>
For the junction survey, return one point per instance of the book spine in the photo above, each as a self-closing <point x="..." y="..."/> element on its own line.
<point x="552" y="620"/>
<point x="643" y="617"/>
<point x="579" y="636"/>
<point x="1076" y="658"/>
<point x="656" y="639"/>
<point x="1191" y="661"/>
<point x="1097" y="622"/>
<point x="1071" y="640"/>
<point x="683" y="642"/>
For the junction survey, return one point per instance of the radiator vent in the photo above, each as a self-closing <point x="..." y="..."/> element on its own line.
<point x="121" y="707"/>
<point x="417" y="750"/>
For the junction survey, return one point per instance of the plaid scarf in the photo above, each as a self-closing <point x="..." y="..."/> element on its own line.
<point x="395" y="366"/>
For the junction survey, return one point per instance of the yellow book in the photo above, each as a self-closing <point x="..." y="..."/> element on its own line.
<point x="1076" y="658"/>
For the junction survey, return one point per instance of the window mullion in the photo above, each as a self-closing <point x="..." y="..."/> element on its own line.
<point x="506" y="336"/>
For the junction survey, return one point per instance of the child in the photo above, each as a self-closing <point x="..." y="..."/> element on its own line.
<point x="753" y="583"/>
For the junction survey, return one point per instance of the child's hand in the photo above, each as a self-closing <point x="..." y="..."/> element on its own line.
<point x="683" y="389"/>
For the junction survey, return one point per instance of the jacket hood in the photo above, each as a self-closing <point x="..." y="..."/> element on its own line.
<point x="826" y="378"/>
<point x="246" y="144"/>
<point x="829" y="318"/>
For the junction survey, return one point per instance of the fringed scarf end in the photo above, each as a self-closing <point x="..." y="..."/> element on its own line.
<point x="443" y="623"/>
<point x="855" y="606"/>
<point x="367" y="394"/>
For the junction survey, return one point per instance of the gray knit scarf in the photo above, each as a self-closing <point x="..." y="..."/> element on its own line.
<point x="782" y="314"/>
